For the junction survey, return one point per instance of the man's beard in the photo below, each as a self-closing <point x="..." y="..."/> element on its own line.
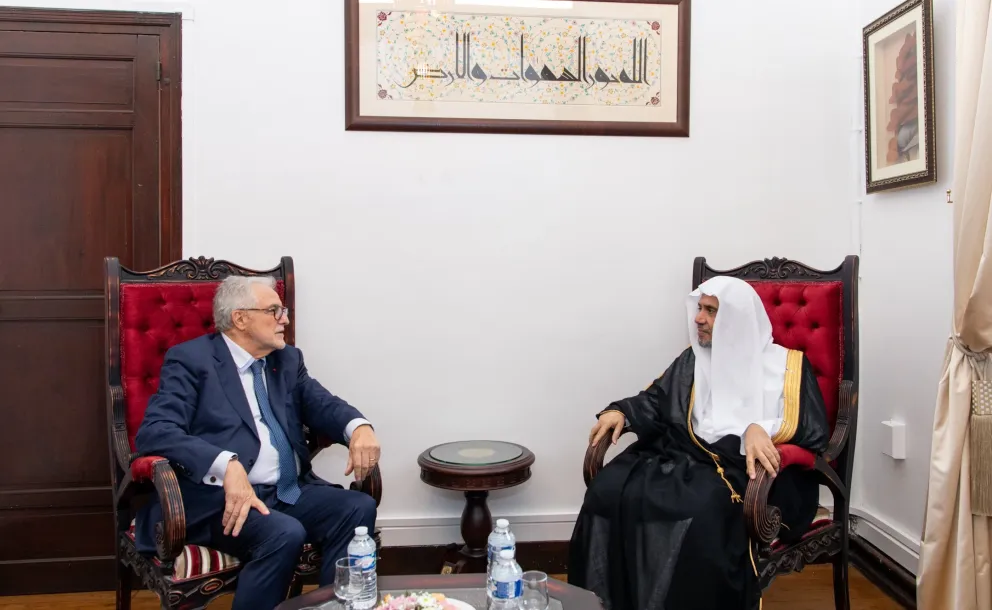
<point x="706" y="343"/>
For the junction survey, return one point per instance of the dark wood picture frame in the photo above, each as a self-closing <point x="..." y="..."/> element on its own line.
<point x="356" y="121"/>
<point x="908" y="95"/>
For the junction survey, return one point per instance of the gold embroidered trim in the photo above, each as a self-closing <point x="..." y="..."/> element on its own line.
<point x="790" y="391"/>
<point x="734" y="496"/>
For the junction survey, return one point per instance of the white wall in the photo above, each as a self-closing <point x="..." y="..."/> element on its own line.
<point x="464" y="286"/>
<point x="513" y="291"/>
<point x="906" y="292"/>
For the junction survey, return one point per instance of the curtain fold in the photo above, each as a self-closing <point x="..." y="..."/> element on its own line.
<point x="954" y="570"/>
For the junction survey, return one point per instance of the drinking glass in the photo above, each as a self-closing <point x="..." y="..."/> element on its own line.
<point x="535" y="591"/>
<point x="348" y="580"/>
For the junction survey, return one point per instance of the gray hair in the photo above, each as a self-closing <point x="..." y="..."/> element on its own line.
<point x="235" y="293"/>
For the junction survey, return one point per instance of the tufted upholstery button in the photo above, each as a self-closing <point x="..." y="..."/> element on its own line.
<point x="814" y="325"/>
<point x="802" y="302"/>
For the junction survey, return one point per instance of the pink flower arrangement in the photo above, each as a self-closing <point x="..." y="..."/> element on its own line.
<point x="415" y="601"/>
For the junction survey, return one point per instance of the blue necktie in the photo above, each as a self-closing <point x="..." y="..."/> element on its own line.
<point x="287" y="487"/>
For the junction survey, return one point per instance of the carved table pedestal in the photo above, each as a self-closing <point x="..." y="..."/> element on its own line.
<point x="474" y="468"/>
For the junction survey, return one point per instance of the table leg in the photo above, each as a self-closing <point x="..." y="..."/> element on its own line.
<point x="476" y="524"/>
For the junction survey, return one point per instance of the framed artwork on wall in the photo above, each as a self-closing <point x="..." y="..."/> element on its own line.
<point x="589" y="67"/>
<point x="900" y="144"/>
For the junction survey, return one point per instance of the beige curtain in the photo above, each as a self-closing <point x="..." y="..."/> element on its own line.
<point x="954" y="571"/>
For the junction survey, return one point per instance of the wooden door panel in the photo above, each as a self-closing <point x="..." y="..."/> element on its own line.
<point x="39" y="83"/>
<point x="147" y="223"/>
<point x="70" y="440"/>
<point x="89" y="157"/>
<point x="21" y="43"/>
<point x="19" y="531"/>
<point x="70" y="190"/>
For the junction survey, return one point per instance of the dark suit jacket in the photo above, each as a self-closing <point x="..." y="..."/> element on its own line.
<point x="201" y="409"/>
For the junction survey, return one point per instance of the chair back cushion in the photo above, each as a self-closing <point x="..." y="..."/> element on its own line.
<point x="154" y="316"/>
<point x="808" y="316"/>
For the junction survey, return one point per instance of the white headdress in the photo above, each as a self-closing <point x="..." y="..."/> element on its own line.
<point x="739" y="379"/>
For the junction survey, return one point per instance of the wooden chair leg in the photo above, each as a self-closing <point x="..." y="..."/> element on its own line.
<point x="123" y="587"/>
<point x="842" y="595"/>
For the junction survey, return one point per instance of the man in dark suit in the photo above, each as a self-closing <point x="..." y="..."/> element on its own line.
<point x="229" y="415"/>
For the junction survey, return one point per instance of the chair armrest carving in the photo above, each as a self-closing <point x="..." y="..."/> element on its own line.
<point x="847" y="418"/>
<point x="170" y="533"/>
<point x="763" y="521"/>
<point x="371" y="484"/>
<point x="595" y="454"/>
<point x="118" y="427"/>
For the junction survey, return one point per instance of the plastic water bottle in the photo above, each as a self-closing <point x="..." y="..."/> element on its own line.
<point x="508" y="578"/>
<point x="361" y="551"/>
<point x="500" y="539"/>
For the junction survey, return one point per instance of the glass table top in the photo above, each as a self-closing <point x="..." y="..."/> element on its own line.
<point x="476" y="598"/>
<point x="476" y="453"/>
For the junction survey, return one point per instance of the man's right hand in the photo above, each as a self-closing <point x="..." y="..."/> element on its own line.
<point x="239" y="497"/>
<point x="611" y="420"/>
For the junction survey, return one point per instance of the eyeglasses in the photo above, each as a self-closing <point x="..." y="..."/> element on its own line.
<point x="277" y="312"/>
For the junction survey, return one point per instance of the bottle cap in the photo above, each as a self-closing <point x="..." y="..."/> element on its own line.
<point x="503" y="523"/>
<point x="361" y="530"/>
<point x="506" y="554"/>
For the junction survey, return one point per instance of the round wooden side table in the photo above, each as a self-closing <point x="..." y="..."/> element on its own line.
<point x="475" y="468"/>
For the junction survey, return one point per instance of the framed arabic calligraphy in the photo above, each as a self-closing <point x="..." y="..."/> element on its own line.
<point x="597" y="67"/>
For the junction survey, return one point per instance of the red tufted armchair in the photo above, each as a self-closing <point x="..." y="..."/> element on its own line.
<point x="815" y="312"/>
<point x="146" y="314"/>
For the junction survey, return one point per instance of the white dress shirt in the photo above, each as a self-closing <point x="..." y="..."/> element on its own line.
<point x="265" y="471"/>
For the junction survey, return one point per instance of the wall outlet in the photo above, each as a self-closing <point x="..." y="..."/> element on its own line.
<point x="895" y="439"/>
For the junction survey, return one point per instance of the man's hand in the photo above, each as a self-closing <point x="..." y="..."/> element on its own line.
<point x="611" y="420"/>
<point x="239" y="498"/>
<point x="363" y="452"/>
<point x="758" y="446"/>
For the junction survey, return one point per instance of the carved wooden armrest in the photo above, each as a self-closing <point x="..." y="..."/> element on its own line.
<point x="595" y="454"/>
<point x="170" y="532"/>
<point x="847" y="419"/>
<point x="371" y="484"/>
<point x="118" y="432"/>
<point x="764" y="521"/>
